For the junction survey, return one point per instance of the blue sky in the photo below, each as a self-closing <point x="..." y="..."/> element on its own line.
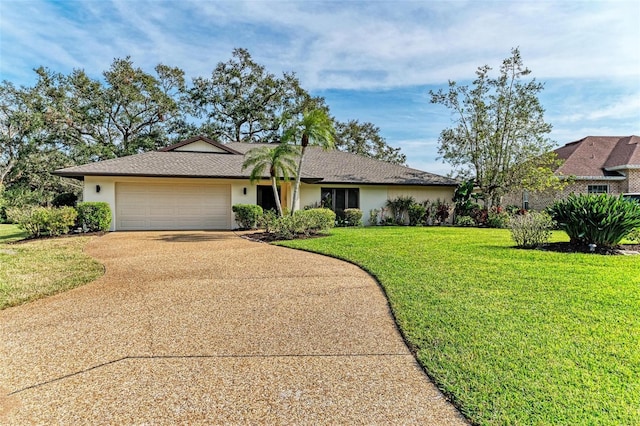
<point x="372" y="60"/>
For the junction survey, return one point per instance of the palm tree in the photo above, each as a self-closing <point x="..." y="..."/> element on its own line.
<point x="315" y="128"/>
<point x="279" y="160"/>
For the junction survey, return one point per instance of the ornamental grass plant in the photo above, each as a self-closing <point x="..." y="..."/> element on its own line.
<point x="600" y="219"/>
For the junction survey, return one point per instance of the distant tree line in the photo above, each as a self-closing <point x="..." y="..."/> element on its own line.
<point x="69" y="119"/>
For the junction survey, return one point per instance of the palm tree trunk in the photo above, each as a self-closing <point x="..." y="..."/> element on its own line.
<point x="296" y="188"/>
<point x="276" y="195"/>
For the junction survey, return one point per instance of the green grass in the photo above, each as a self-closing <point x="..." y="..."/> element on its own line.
<point x="518" y="337"/>
<point x="9" y="233"/>
<point x="39" y="268"/>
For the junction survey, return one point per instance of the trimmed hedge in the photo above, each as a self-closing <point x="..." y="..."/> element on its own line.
<point x="313" y="221"/>
<point x="301" y="223"/>
<point x="352" y="217"/>
<point x="247" y="215"/>
<point x="43" y="221"/>
<point x="94" y="216"/>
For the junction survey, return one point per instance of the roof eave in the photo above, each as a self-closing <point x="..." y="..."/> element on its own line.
<point x="623" y="167"/>
<point x="387" y="183"/>
<point x="593" y="177"/>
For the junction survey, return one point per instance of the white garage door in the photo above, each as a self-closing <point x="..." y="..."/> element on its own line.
<point x="172" y="206"/>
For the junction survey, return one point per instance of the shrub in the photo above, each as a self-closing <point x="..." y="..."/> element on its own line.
<point x="94" y="216"/>
<point x="373" y="216"/>
<point x="634" y="235"/>
<point x="429" y="212"/>
<point x="497" y="218"/>
<point x="313" y="221"/>
<point x="442" y="211"/>
<point x="416" y="214"/>
<point x="480" y="215"/>
<point x="399" y="208"/>
<point x="352" y="217"/>
<point x="65" y="199"/>
<point x="465" y="221"/>
<point x="284" y="227"/>
<point x="302" y="222"/>
<point x="600" y="219"/>
<point x="247" y="215"/>
<point x="531" y="230"/>
<point x="462" y="198"/>
<point x="267" y="220"/>
<point x="41" y="221"/>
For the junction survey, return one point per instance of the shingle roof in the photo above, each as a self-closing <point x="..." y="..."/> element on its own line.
<point x="320" y="166"/>
<point x="596" y="156"/>
<point x="343" y="167"/>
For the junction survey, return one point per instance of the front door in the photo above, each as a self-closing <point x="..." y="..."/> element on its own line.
<point x="266" y="199"/>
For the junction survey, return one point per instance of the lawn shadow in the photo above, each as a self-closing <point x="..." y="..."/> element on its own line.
<point x="8" y="238"/>
<point x="193" y="237"/>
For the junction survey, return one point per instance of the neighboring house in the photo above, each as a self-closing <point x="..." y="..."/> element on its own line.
<point x="193" y="184"/>
<point x="595" y="164"/>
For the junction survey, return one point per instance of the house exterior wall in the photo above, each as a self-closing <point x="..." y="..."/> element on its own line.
<point x="108" y="190"/>
<point x="375" y="196"/>
<point x="107" y="193"/>
<point x="371" y="196"/>
<point x="633" y="181"/>
<point x="199" y="146"/>
<point x="422" y="193"/>
<point x="543" y="199"/>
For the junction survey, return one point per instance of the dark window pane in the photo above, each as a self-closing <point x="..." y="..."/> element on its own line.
<point x="340" y="200"/>
<point x="326" y="198"/>
<point x="353" y="201"/>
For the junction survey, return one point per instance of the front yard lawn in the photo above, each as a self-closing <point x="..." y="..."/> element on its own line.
<point x="40" y="268"/>
<point x="522" y="337"/>
<point x="10" y="233"/>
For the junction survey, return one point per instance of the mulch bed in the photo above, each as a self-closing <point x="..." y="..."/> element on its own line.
<point x="579" y="248"/>
<point x="266" y="237"/>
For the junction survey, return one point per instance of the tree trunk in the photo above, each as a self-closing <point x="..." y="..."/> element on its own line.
<point x="274" y="186"/>
<point x="296" y="188"/>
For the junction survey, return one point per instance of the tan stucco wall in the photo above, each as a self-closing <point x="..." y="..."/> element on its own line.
<point x="421" y="194"/>
<point x="371" y="196"/>
<point x="199" y="146"/>
<point x="108" y="190"/>
<point x="375" y="196"/>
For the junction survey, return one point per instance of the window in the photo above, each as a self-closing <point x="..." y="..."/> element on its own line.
<point x="339" y="199"/>
<point x="598" y="189"/>
<point x="525" y="200"/>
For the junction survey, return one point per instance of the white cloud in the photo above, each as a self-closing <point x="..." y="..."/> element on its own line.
<point x="354" y="44"/>
<point x="588" y="51"/>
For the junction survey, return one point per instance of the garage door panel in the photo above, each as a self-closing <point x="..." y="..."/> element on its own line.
<point x="172" y="206"/>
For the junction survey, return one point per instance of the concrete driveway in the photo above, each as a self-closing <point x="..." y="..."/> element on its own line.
<point x="209" y="328"/>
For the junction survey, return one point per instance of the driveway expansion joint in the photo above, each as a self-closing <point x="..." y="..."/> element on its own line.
<point x="221" y="356"/>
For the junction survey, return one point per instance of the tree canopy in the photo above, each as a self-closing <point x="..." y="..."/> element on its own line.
<point x="314" y="128"/>
<point x="278" y="160"/>
<point x="499" y="135"/>
<point x="365" y="139"/>
<point x="74" y="118"/>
